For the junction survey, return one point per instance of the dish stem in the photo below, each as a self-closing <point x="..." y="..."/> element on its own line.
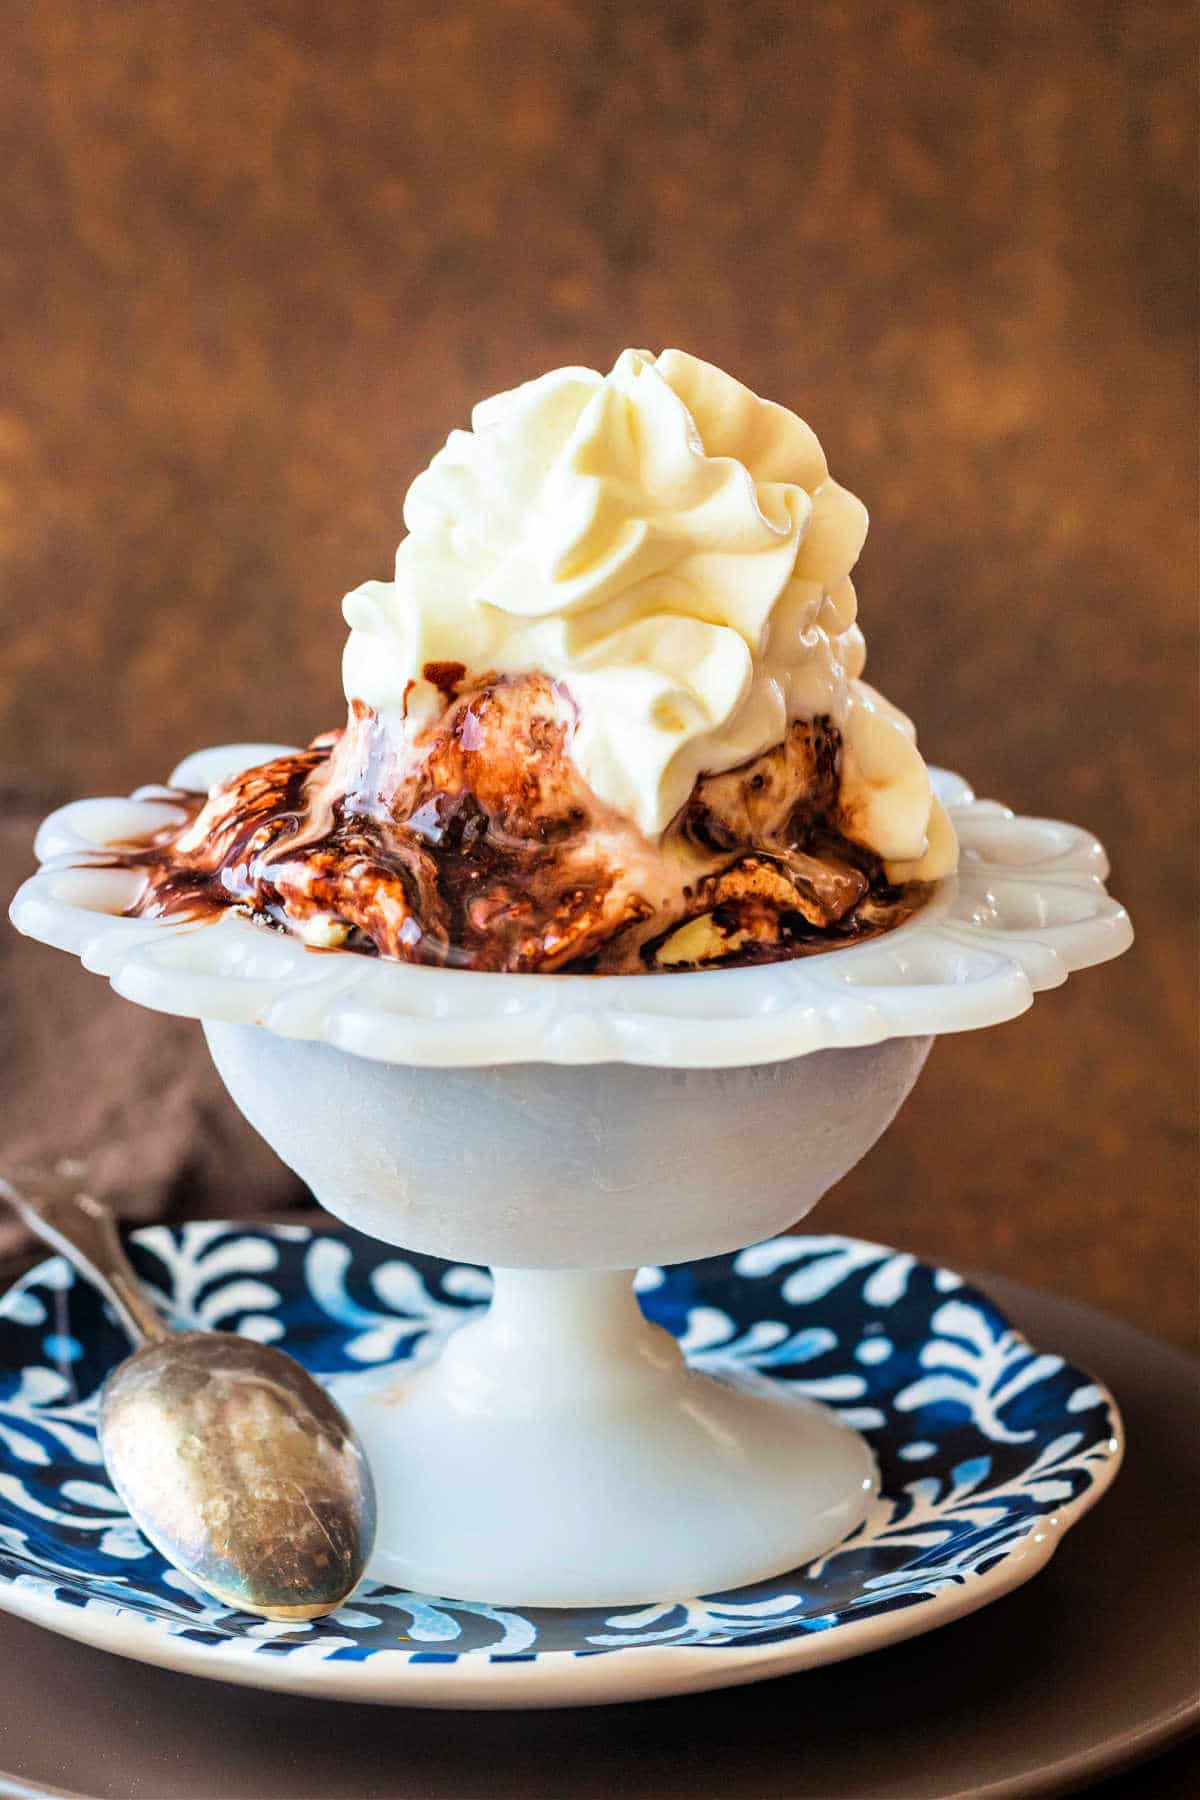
<point x="561" y="1451"/>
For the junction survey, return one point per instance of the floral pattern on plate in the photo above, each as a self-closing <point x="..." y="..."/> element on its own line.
<point x="986" y="1446"/>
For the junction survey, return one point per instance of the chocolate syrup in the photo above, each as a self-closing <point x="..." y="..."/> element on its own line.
<point x="488" y="851"/>
<point x="445" y="676"/>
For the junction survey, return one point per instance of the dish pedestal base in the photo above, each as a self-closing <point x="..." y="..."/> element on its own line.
<point x="561" y="1452"/>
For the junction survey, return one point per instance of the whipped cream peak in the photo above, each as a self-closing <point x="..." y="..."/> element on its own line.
<point x="672" y="549"/>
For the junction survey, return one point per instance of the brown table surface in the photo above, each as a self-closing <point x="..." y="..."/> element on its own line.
<point x="1023" y="1698"/>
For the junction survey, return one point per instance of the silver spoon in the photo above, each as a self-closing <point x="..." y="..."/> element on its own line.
<point x="231" y="1459"/>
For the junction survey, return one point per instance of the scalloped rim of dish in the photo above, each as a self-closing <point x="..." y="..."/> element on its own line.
<point x="1027" y="908"/>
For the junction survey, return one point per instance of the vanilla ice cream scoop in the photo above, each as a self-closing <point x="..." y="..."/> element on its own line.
<point x="673" y="550"/>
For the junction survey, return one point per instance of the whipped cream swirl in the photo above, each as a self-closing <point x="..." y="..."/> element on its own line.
<point x="674" y="551"/>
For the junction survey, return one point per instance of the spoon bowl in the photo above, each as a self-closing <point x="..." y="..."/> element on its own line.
<point x="239" y="1467"/>
<point x="235" y="1464"/>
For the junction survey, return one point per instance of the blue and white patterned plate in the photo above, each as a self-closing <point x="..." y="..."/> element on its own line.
<point x="988" y="1450"/>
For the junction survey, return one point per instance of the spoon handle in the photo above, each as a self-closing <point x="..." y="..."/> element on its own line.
<point x="70" y="1220"/>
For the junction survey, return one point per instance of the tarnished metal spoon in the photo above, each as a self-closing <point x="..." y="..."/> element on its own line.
<point x="231" y="1459"/>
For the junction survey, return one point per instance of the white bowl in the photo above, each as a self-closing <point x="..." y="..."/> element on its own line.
<point x="566" y="1129"/>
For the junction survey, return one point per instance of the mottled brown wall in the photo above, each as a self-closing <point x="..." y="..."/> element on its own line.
<point x="257" y="259"/>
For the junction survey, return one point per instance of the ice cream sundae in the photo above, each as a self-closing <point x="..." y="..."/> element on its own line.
<point x="608" y="716"/>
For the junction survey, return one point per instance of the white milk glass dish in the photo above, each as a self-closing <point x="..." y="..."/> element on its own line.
<point x="566" y="1130"/>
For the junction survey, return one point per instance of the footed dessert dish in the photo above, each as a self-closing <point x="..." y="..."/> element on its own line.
<point x="612" y="929"/>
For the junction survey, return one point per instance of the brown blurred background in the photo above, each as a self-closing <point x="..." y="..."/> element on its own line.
<point x="255" y="262"/>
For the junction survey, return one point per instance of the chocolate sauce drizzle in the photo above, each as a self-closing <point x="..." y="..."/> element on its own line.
<point x="490" y="858"/>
